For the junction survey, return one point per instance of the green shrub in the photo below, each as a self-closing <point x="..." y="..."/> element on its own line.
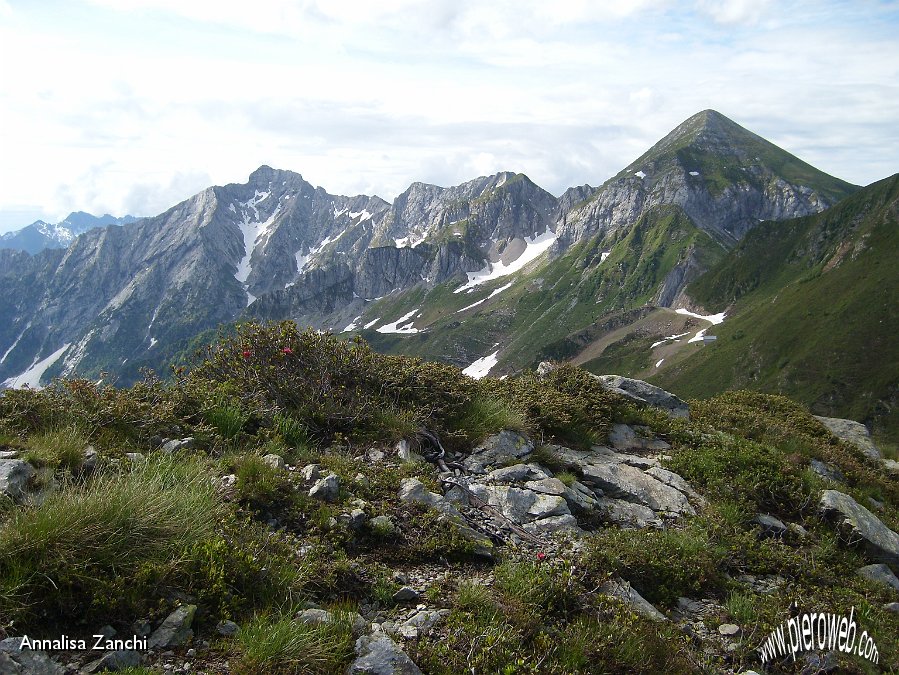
<point x="661" y="564"/>
<point x="725" y="466"/>
<point x="542" y="587"/>
<point x="280" y="644"/>
<point x="485" y="415"/>
<point x="258" y="483"/>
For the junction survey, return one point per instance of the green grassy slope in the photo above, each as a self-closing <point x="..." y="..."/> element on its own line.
<point x="815" y="313"/>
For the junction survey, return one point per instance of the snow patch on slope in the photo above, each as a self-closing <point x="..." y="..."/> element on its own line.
<point x="397" y="328"/>
<point x="664" y="340"/>
<point x="534" y="247"/>
<point x="481" y="367"/>
<point x="32" y="377"/>
<point x="713" y="319"/>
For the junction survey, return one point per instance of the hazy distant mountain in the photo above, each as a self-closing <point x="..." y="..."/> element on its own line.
<point x="40" y="235"/>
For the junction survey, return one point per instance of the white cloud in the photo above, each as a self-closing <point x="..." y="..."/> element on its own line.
<point x="123" y="105"/>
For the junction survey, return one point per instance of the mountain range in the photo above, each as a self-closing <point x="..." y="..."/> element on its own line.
<point x="40" y="235"/>
<point x="493" y="275"/>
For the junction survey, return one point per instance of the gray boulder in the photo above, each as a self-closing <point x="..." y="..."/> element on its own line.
<point x="643" y="392"/>
<point x="880" y="574"/>
<point x="16" y="661"/>
<point x="627" y="515"/>
<point x="622" y="590"/>
<point x="175" y="630"/>
<point x="827" y="471"/>
<point x="631" y="484"/>
<point x="623" y="437"/>
<point x="14" y="477"/>
<point x="516" y="473"/>
<point x="327" y="489"/>
<point x="274" y="461"/>
<point x="379" y="655"/>
<point x="858" y="524"/>
<point x="227" y="628"/>
<point x="851" y="432"/>
<point x="497" y="449"/>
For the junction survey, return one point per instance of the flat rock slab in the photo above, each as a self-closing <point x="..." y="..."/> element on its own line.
<point x="851" y="432"/>
<point x="627" y="515"/>
<point x="649" y="394"/>
<point x="633" y="485"/>
<point x="498" y="449"/>
<point x="379" y="655"/>
<point x="623" y="437"/>
<point x="858" y="525"/>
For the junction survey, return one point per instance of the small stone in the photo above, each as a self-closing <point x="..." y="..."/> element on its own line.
<point x="327" y="488"/>
<point x="361" y="480"/>
<point x="191" y="653"/>
<point x="136" y="457"/>
<point x="274" y="461"/>
<point x="91" y="459"/>
<point x="227" y="628"/>
<point x="892" y="607"/>
<point x="311" y="472"/>
<point x="406" y="594"/>
<point x="375" y="455"/>
<point x="729" y="629"/>
<point x="175" y="630"/>
<point x="770" y="526"/>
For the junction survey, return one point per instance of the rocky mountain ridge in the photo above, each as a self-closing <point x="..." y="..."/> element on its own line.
<point x="276" y="247"/>
<point x="41" y="235"/>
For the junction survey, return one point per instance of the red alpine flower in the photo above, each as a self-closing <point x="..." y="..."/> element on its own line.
<point x="287" y="350"/>
<point x="246" y="353"/>
<point x="541" y="556"/>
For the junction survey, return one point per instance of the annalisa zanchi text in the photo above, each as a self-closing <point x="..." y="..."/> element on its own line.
<point x="98" y="642"/>
<point x="808" y="632"/>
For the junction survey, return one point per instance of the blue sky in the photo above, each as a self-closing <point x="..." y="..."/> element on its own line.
<point x="129" y="106"/>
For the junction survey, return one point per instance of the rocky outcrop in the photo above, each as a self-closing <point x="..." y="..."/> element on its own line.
<point x="852" y="432"/>
<point x="859" y="526"/>
<point x="17" y="661"/>
<point x="645" y="393"/>
<point x="14" y="477"/>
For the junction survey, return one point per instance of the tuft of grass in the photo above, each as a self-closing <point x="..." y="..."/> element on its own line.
<point x="59" y="449"/>
<point x="54" y="555"/>
<point x="227" y="418"/>
<point x="741" y="607"/>
<point x="485" y="415"/>
<point x="279" y="644"/>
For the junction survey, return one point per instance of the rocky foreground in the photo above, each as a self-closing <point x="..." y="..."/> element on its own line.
<point x="676" y="542"/>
